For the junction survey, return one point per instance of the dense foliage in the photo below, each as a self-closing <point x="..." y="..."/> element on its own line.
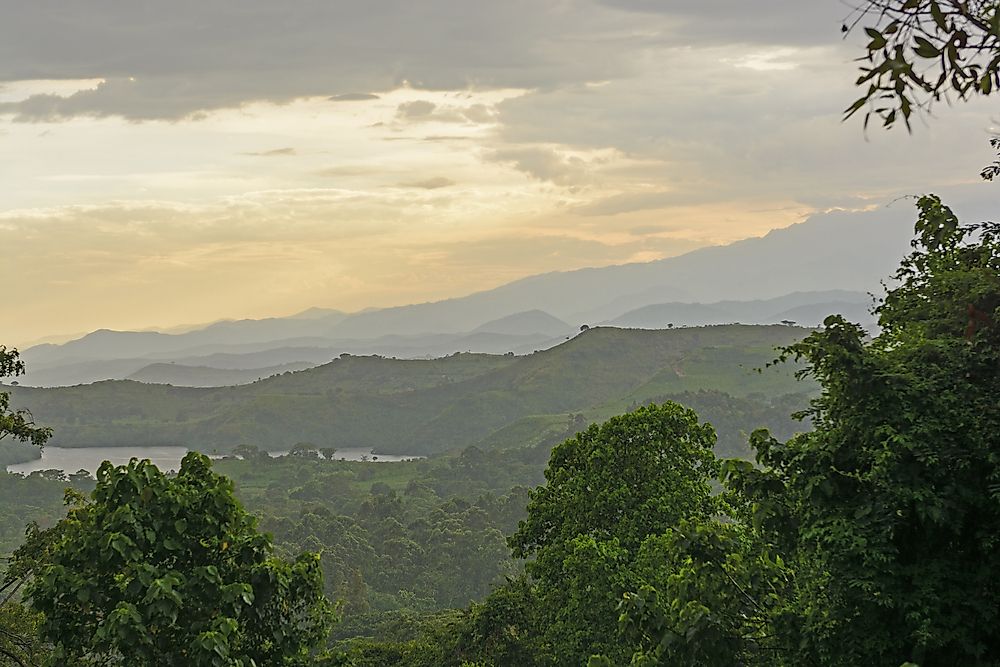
<point x="872" y="538"/>
<point x="17" y="424"/>
<point x="154" y="570"/>
<point x="19" y="638"/>
<point x="606" y="490"/>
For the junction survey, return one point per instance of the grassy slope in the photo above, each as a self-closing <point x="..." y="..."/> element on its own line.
<point x="424" y="406"/>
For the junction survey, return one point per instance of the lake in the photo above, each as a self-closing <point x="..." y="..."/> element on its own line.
<point x="72" y="459"/>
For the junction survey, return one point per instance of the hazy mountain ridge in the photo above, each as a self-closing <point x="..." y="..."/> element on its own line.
<point x="827" y="261"/>
<point x="803" y="308"/>
<point x="534" y="321"/>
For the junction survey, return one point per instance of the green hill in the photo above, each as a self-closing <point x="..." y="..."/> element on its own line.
<point x="427" y="406"/>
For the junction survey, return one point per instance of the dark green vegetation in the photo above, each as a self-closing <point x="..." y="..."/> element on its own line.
<point x="152" y="570"/>
<point x="606" y="490"/>
<point x="17" y="425"/>
<point x="19" y="636"/>
<point x="426" y="406"/>
<point x="396" y="537"/>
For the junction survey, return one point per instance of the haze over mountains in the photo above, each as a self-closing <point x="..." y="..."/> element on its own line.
<point x="801" y="273"/>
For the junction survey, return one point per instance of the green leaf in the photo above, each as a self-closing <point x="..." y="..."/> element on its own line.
<point x="878" y="41"/>
<point x="938" y="16"/>
<point x="925" y="49"/>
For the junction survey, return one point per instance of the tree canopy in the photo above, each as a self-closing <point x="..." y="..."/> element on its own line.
<point x="158" y="570"/>
<point x="606" y="490"/>
<point x="921" y="51"/>
<point x="19" y="642"/>
<point x="871" y="539"/>
<point x="17" y="424"/>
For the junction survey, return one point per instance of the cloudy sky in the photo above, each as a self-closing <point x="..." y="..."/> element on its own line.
<point x="178" y="162"/>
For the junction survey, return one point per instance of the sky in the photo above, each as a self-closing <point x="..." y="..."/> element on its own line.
<point x="168" y="163"/>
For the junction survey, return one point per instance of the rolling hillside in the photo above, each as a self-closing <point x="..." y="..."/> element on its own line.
<point x="426" y="406"/>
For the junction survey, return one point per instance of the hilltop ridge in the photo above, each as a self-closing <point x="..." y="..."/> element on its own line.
<point x="425" y="406"/>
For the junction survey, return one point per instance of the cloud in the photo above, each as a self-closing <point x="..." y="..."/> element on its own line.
<point x="648" y="230"/>
<point x="544" y="164"/>
<point x="572" y="121"/>
<point x="772" y="22"/>
<point x="353" y="97"/>
<point x="424" y="111"/>
<point x="479" y="113"/>
<point x="173" y="60"/>
<point x="415" y="109"/>
<point x="129" y="264"/>
<point x="633" y="201"/>
<point x="275" y="152"/>
<point x="429" y="183"/>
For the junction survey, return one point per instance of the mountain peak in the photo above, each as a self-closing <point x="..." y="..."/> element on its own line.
<point x="533" y="321"/>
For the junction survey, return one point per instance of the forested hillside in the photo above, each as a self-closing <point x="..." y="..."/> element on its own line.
<point x="420" y="407"/>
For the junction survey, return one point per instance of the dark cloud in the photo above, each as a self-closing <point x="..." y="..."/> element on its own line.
<point x="163" y="60"/>
<point x="169" y="60"/>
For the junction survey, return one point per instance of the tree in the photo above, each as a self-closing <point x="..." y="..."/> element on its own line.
<point x="19" y="644"/>
<point x="498" y="630"/>
<point x="606" y="490"/>
<point x="250" y="453"/>
<point x="922" y="50"/>
<point x="873" y="538"/>
<point x="305" y="450"/>
<point x="154" y="570"/>
<point x="713" y="595"/>
<point x="894" y="496"/>
<point x="20" y="640"/>
<point x="17" y="424"/>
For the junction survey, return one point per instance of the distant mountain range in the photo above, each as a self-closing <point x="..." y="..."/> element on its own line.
<point x="801" y="273"/>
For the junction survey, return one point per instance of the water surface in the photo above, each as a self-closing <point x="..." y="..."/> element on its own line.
<point x="73" y="459"/>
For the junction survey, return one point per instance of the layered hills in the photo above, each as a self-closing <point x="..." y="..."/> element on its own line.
<point x="800" y="274"/>
<point x="420" y="406"/>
